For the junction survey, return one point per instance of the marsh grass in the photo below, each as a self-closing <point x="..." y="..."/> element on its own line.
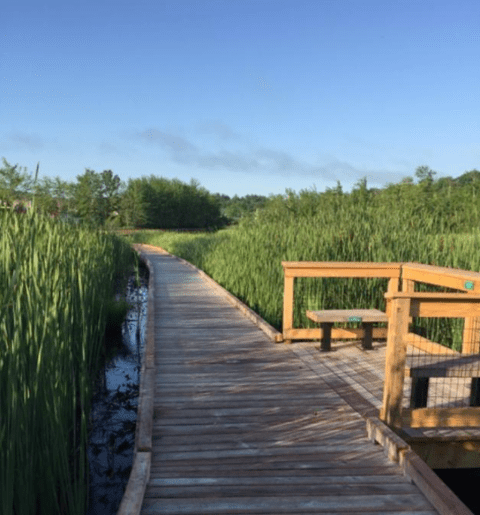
<point x="246" y="259"/>
<point x="54" y="280"/>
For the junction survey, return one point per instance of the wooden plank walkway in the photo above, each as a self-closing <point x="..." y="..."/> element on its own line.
<point x="244" y="425"/>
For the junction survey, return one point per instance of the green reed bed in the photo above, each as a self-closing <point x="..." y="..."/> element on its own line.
<point x="55" y="279"/>
<point x="246" y="259"/>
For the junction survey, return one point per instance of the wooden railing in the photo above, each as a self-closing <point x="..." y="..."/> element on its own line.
<point x="463" y="280"/>
<point x="405" y="305"/>
<point x="410" y="274"/>
<point x="409" y="354"/>
<point x="293" y="269"/>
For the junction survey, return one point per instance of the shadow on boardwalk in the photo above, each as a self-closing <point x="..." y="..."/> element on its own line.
<point x="244" y="425"/>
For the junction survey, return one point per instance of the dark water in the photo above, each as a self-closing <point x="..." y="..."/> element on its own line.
<point x="463" y="483"/>
<point x="114" y="410"/>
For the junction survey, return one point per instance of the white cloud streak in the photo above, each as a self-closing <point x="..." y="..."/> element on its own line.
<point x="250" y="158"/>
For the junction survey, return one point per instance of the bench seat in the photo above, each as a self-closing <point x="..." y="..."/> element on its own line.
<point x="326" y="318"/>
<point x="422" y="367"/>
<point x="443" y="365"/>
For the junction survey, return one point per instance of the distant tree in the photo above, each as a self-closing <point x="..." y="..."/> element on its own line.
<point x="15" y="184"/>
<point x="54" y="196"/>
<point x="238" y="207"/>
<point x="157" y="202"/>
<point x="468" y="178"/>
<point x="424" y="174"/>
<point x="133" y="205"/>
<point x="97" y="196"/>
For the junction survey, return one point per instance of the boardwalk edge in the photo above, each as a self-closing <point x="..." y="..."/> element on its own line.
<point x="433" y="488"/>
<point x="269" y="330"/>
<point x="132" y="499"/>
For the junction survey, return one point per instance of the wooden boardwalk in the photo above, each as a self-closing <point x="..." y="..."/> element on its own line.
<point x="244" y="425"/>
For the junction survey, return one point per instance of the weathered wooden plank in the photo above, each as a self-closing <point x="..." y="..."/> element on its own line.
<point x="441" y="417"/>
<point x="254" y="450"/>
<point x="441" y="276"/>
<point x="225" y="442"/>
<point x="363" y="479"/>
<point x="304" y="473"/>
<point x="135" y="490"/>
<point x="444" y="500"/>
<point x="286" y="489"/>
<point x="347" y="462"/>
<point x="230" y="406"/>
<point x="274" y="504"/>
<point x="345" y="315"/>
<point x="433" y="365"/>
<point x="295" y="427"/>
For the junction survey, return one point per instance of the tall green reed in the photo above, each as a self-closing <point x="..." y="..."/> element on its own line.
<point x="55" y="279"/>
<point x="246" y="259"/>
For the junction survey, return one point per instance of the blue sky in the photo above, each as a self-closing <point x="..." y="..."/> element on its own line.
<point x="245" y="96"/>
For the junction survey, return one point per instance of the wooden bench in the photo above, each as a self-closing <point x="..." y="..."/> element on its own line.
<point x="327" y="318"/>
<point x="332" y="269"/>
<point x="422" y="368"/>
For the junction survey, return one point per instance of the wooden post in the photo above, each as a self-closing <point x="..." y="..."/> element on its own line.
<point x="408" y="285"/>
<point x="326" y="344"/>
<point x="392" y="288"/>
<point x="287" y="307"/>
<point x="471" y="336"/>
<point x="391" y="412"/>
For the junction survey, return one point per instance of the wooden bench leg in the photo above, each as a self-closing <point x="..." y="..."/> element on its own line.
<point x="367" y="337"/>
<point x="326" y="337"/>
<point x="419" y="394"/>
<point x="475" y="392"/>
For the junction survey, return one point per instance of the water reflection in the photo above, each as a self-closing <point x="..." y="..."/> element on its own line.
<point x="114" y="411"/>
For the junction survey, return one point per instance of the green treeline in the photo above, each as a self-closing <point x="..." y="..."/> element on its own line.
<point x="102" y="199"/>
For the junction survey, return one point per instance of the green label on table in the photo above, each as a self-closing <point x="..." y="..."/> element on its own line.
<point x="469" y="285"/>
<point x="354" y="319"/>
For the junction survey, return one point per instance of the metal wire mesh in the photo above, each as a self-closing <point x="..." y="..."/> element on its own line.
<point x="437" y="375"/>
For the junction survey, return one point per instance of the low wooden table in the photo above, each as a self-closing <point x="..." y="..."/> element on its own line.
<point x="327" y="318"/>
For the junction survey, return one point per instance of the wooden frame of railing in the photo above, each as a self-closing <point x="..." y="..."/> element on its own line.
<point x="463" y="280"/>
<point x="431" y="305"/>
<point x="293" y="269"/>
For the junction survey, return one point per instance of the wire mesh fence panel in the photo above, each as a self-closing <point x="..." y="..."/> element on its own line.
<point x="439" y="376"/>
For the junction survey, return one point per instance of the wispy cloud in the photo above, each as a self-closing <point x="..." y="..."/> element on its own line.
<point x="240" y="155"/>
<point x="218" y="129"/>
<point x="15" y="141"/>
<point x="172" y="142"/>
<point x="249" y="158"/>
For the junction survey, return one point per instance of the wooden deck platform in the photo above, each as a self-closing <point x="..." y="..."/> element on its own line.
<point x="244" y="425"/>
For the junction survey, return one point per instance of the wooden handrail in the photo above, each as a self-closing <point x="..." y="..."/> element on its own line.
<point x="456" y="279"/>
<point x="338" y="269"/>
<point x="410" y="274"/>
<point x="430" y="305"/>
